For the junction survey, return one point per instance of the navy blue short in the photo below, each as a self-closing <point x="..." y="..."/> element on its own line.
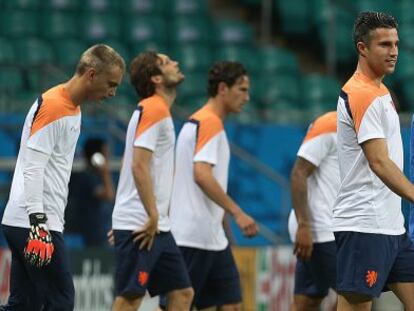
<point x="316" y="276"/>
<point x="47" y="288"/>
<point x="214" y="276"/>
<point x="367" y="262"/>
<point x="159" y="270"/>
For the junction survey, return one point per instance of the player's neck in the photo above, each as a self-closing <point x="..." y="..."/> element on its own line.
<point x="75" y="90"/>
<point x="217" y="107"/>
<point x="168" y="95"/>
<point x="364" y="69"/>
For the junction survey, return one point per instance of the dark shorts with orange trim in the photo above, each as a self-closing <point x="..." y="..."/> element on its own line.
<point x="315" y="277"/>
<point x="160" y="270"/>
<point x="367" y="262"/>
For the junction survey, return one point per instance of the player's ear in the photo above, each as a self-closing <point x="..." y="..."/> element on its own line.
<point x="222" y="87"/>
<point x="362" y="48"/>
<point x="90" y="73"/>
<point x="156" y="79"/>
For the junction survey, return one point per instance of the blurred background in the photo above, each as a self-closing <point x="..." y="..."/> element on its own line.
<point x="298" y="54"/>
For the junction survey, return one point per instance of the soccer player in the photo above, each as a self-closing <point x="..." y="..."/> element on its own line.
<point x="199" y="198"/>
<point x="315" y="184"/>
<point x="373" y="249"/>
<point x="147" y="257"/>
<point x="33" y="219"/>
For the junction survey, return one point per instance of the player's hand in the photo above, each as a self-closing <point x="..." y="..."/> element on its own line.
<point x="39" y="247"/>
<point x="111" y="238"/>
<point x="246" y="224"/>
<point x="304" y="242"/>
<point x="146" y="236"/>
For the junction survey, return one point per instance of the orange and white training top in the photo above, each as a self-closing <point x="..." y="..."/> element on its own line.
<point x="44" y="163"/>
<point x="196" y="221"/>
<point x="364" y="202"/>
<point x="319" y="148"/>
<point x="152" y="128"/>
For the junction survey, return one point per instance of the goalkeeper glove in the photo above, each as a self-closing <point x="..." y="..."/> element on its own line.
<point x="39" y="247"/>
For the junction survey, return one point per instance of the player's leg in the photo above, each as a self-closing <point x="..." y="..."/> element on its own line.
<point x="401" y="276"/>
<point x="364" y="261"/>
<point x="132" y="270"/>
<point x="222" y="286"/>
<point x="354" y="302"/>
<point x="23" y="292"/>
<point x="303" y="302"/>
<point x="57" y="282"/>
<point x="169" y="276"/>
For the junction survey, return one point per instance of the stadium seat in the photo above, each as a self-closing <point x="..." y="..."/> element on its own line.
<point x="195" y="85"/>
<point x="295" y="16"/>
<point x="387" y="6"/>
<point x="99" y="26"/>
<point x="7" y="53"/>
<point x="61" y="5"/>
<point x="320" y="91"/>
<point x="11" y="80"/>
<point x="191" y="103"/>
<point x="150" y="45"/>
<point x="58" y="25"/>
<point x="232" y="32"/>
<point x="42" y="80"/>
<point x="405" y="65"/>
<point x="41" y="52"/>
<point x="21" y="4"/>
<point x="188" y="30"/>
<point x="277" y="60"/>
<point x="279" y="90"/>
<point x="187" y="7"/>
<point x="192" y="57"/>
<point x="406" y="36"/>
<point x="246" y="55"/>
<point x="143" y="29"/>
<point x="404" y="12"/>
<point x="17" y="24"/>
<point x="144" y="7"/>
<point x="109" y="6"/>
<point x="68" y="52"/>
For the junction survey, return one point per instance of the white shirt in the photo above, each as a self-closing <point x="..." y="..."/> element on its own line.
<point x="319" y="148"/>
<point x="365" y="203"/>
<point x="152" y="128"/>
<point x="196" y="221"/>
<point x="44" y="164"/>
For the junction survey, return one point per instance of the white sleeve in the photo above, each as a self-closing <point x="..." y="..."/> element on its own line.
<point x="371" y="125"/>
<point x="209" y="152"/>
<point x="33" y="174"/>
<point x="148" y="139"/>
<point x="316" y="149"/>
<point x="44" y="140"/>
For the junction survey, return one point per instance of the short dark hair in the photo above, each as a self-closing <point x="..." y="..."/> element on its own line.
<point x="367" y="21"/>
<point x="225" y="71"/>
<point x="142" y="68"/>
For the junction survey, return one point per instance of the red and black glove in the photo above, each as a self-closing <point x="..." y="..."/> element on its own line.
<point x="39" y="247"/>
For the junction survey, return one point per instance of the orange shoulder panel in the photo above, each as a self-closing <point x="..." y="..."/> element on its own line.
<point x="323" y="125"/>
<point x="153" y="110"/>
<point x="361" y="94"/>
<point x="209" y="125"/>
<point x="53" y="105"/>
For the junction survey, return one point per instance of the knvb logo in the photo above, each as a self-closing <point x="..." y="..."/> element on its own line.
<point x="142" y="277"/>
<point x="371" y="277"/>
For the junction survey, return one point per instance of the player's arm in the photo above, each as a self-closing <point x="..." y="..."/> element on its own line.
<point x="302" y="169"/>
<point x="141" y="169"/>
<point x="203" y="176"/>
<point x="376" y="152"/>
<point x="39" y="248"/>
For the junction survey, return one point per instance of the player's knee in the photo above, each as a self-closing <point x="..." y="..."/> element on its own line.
<point x="230" y="307"/>
<point x="307" y="303"/>
<point x="127" y="302"/>
<point x="184" y="295"/>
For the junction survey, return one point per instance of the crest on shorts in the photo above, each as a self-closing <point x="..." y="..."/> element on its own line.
<point x="142" y="277"/>
<point x="371" y="277"/>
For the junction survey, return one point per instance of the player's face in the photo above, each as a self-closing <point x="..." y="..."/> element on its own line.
<point x="105" y="83"/>
<point x="382" y="50"/>
<point x="238" y="95"/>
<point x="171" y="73"/>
